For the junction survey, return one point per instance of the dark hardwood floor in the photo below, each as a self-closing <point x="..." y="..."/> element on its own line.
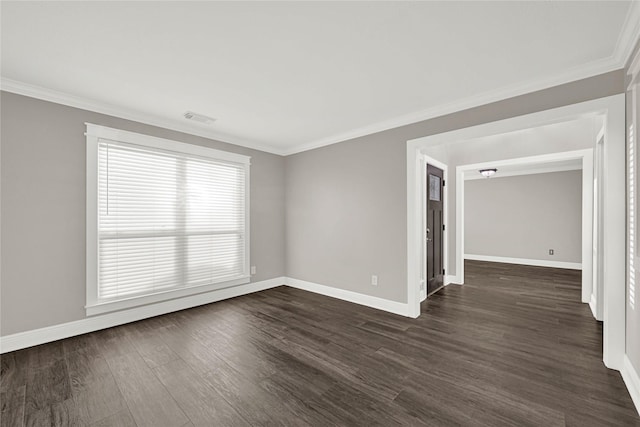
<point x="513" y="347"/>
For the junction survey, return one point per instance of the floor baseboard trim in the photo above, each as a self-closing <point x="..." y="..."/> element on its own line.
<point x="525" y="261"/>
<point x="593" y="305"/>
<point x="47" y="334"/>
<point x="453" y="280"/>
<point x="632" y="381"/>
<point x="367" y="300"/>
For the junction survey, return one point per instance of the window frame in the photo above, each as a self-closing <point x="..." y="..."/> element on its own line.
<point x="633" y="181"/>
<point x="95" y="133"/>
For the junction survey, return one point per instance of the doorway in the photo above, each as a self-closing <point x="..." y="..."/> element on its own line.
<point x="613" y="202"/>
<point x="533" y="164"/>
<point x="436" y="272"/>
<point x="434" y="233"/>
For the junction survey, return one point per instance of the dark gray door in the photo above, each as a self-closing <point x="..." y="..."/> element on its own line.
<point x="435" y="228"/>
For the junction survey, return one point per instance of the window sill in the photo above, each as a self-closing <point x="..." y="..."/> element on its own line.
<point x="106" y="307"/>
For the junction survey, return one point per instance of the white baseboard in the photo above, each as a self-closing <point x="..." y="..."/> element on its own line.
<point x="632" y="381"/>
<point x="525" y="261"/>
<point x="90" y="324"/>
<point x="357" y="298"/>
<point x="453" y="280"/>
<point x="593" y="305"/>
<point x="95" y="323"/>
<point x="65" y="330"/>
<point x="52" y="333"/>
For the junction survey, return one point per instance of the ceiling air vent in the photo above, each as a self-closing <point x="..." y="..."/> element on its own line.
<point x="190" y="115"/>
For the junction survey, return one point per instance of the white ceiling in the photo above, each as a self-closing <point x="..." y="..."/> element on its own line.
<point x="525" y="152"/>
<point x="289" y="76"/>
<point x="505" y="171"/>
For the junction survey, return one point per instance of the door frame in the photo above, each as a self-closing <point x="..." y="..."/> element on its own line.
<point x="426" y="160"/>
<point x="596" y="293"/>
<point x="586" y="156"/>
<point x="614" y="201"/>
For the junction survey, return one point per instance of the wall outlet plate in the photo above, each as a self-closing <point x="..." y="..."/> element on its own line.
<point x="253" y="269"/>
<point x="374" y="280"/>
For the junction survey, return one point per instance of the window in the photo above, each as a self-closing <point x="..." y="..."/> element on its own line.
<point x="434" y="188"/>
<point x="164" y="219"/>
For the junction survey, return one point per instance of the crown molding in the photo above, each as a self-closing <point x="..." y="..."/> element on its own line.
<point x="629" y="35"/>
<point x="627" y="39"/>
<point x="578" y="73"/>
<point x="45" y="94"/>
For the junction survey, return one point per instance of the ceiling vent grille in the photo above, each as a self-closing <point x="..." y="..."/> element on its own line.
<point x="201" y="118"/>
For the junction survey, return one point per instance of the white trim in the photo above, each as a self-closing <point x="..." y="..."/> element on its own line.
<point x="459" y="224"/>
<point x="590" y="70"/>
<point x="90" y="324"/>
<point x="52" y="333"/>
<point x="125" y="303"/>
<point x="632" y="381"/>
<point x="103" y="132"/>
<point x="423" y="202"/>
<point x="436" y="163"/>
<point x="593" y="305"/>
<point x="540" y="159"/>
<point x="613" y="107"/>
<point x="91" y="220"/>
<point x="542" y="169"/>
<point x="50" y="95"/>
<point x="633" y="72"/>
<point x="350" y="296"/>
<point x="614" y="231"/>
<point x="94" y="133"/>
<point x="414" y="227"/>
<point x="628" y="36"/>
<point x="525" y="261"/>
<point x="453" y="280"/>
<point x="587" y="224"/>
<point x="595" y="293"/>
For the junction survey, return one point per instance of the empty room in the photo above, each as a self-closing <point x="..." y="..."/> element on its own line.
<point x="319" y="213"/>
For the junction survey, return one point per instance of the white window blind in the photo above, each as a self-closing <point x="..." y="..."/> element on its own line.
<point x="167" y="219"/>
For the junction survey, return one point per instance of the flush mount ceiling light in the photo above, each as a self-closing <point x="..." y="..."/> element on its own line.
<point x="190" y="115"/>
<point x="488" y="172"/>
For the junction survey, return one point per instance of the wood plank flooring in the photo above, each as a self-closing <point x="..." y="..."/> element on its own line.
<point x="513" y="347"/>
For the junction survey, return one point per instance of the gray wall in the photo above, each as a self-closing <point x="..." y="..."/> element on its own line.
<point x="633" y="314"/>
<point x="43" y="209"/>
<point x="525" y="216"/>
<point x="346" y="203"/>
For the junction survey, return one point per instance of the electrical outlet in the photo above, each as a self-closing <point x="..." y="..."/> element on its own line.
<point x="253" y="269"/>
<point x="374" y="280"/>
<point x="550" y="251"/>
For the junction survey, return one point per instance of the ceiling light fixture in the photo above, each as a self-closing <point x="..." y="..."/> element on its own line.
<point x="488" y="172"/>
<point x="190" y="115"/>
